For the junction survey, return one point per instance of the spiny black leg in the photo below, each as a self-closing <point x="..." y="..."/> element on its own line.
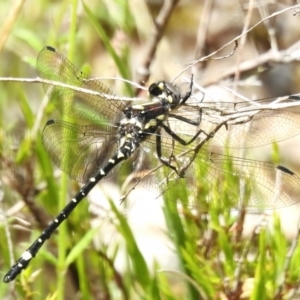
<point x="179" y="139"/>
<point x="186" y="120"/>
<point x="159" y="153"/>
<point x="189" y="93"/>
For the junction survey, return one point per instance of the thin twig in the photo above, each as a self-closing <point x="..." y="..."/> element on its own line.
<point x="203" y="27"/>
<point x="285" y="56"/>
<point x="242" y="258"/>
<point x="242" y="44"/>
<point x="270" y="28"/>
<point x="10" y="21"/>
<point x="68" y="86"/>
<point x="236" y="39"/>
<point x="287" y="262"/>
<point x="160" y="25"/>
<point x="117" y="276"/>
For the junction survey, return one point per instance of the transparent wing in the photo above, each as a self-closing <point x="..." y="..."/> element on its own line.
<point x="224" y="182"/>
<point x="229" y="182"/>
<point x="214" y="179"/>
<point x="76" y="104"/>
<point x="264" y="128"/>
<point x="79" y="150"/>
<point x="250" y="124"/>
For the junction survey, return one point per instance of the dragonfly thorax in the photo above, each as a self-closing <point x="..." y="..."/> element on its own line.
<point x="143" y="119"/>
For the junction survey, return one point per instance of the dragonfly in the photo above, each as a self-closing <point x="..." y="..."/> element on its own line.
<point x="169" y="134"/>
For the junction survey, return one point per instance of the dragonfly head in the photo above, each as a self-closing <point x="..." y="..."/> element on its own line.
<point x="166" y="92"/>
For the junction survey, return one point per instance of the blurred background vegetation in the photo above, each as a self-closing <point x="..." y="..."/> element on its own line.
<point x="191" y="256"/>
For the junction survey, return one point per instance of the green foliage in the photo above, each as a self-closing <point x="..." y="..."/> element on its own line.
<point x="214" y="262"/>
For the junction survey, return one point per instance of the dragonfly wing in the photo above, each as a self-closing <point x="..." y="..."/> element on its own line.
<point x="227" y="182"/>
<point x="265" y="128"/>
<point x="249" y="126"/>
<point x="76" y="104"/>
<point x="78" y="150"/>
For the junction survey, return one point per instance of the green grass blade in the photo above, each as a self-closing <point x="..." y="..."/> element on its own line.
<point x="122" y="66"/>
<point x="139" y="265"/>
